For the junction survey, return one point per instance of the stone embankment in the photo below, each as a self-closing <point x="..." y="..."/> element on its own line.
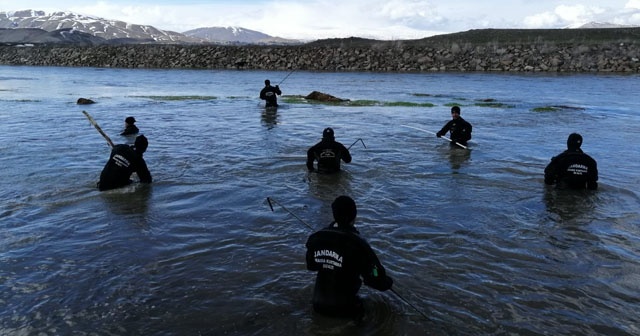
<point x="377" y="57"/>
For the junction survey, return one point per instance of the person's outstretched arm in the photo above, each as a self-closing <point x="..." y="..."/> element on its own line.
<point x="310" y="159"/>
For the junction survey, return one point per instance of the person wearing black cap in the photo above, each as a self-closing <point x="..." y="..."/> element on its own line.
<point x="129" y="127"/>
<point x="572" y="168"/>
<point x="328" y="153"/>
<point x="460" y="129"/>
<point x="124" y="161"/>
<point x="342" y="260"/>
<point x="268" y="94"/>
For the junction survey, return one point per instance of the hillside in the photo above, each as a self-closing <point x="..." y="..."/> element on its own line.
<point x="559" y="36"/>
<point x="235" y="35"/>
<point x="500" y="36"/>
<point x="609" y="50"/>
<point x="114" y="31"/>
<point x="98" y="27"/>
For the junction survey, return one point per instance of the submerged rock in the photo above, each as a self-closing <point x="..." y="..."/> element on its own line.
<point x="315" y="95"/>
<point x="84" y="101"/>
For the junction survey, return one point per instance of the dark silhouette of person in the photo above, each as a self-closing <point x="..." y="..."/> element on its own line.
<point x="268" y="94"/>
<point x="328" y="153"/>
<point x="572" y="168"/>
<point x="460" y="129"/>
<point x="343" y="260"/>
<point x="130" y="127"/>
<point x="125" y="160"/>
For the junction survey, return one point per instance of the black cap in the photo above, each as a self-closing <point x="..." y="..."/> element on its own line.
<point x="141" y="144"/>
<point x="130" y="120"/>
<point x="328" y="133"/>
<point x="344" y="210"/>
<point x="574" y="141"/>
<point x="455" y="109"/>
<point x="267" y="82"/>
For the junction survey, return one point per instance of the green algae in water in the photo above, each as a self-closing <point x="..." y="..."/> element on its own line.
<point x="494" y="105"/>
<point x="356" y="103"/>
<point x="556" y="108"/>
<point x="409" y="104"/>
<point x="362" y="103"/>
<point x="545" y="109"/>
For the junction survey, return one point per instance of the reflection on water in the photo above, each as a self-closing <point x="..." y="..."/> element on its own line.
<point x="270" y="117"/>
<point x="327" y="187"/>
<point x="458" y="156"/>
<point x="132" y="200"/>
<point x="570" y="205"/>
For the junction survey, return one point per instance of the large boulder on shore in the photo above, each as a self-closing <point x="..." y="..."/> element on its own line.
<point x="315" y="95"/>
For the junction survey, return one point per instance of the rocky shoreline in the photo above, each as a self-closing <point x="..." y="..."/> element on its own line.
<point x="396" y="56"/>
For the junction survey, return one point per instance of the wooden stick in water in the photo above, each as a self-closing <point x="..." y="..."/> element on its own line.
<point x="95" y="124"/>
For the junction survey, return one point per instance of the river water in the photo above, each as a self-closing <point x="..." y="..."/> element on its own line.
<point x="473" y="239"/>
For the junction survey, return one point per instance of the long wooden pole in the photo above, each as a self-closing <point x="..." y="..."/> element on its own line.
<point x="95" y="124"/>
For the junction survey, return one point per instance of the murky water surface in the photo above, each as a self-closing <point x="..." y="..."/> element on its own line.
<point x="473" y="239"/>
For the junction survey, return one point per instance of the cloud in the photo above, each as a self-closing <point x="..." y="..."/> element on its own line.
<point x="417" y="14"/>
<point x="380" y="19"/>
<point x="577" y="15"/>
<point x="363" y="18"/>
<point x="631" y="16"/>
<point x="542" y="20"/>
<point x="312" y="19"/>
<point x="633" y="4"/>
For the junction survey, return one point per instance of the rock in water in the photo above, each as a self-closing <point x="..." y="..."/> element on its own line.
<point x="315" y="95"/>
<point x="84" y="101"/>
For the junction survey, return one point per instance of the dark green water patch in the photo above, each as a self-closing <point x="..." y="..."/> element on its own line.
<point x="556" y="108"/>
<point x="22" y="100"/>
<point x="495" y="105"/>
<point x="409" y="104"/>
<point x="437" y="96"/>
<point x="490" y="102"/>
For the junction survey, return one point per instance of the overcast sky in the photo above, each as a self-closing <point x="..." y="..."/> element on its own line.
<point x="379" y="19"/>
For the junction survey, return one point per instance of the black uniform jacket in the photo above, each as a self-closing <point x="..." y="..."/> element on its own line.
<point x="130" y="129"/>
<point x="460" y="130"/>
<point x="269" y="93"/>
<point x="328" y="153"/>
<point x="573" y="169"/>
<point x="123" y="162"/>
<point x="341" y="257"/>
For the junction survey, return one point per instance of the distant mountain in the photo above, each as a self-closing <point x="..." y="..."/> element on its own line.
<point x="103" y="28"/>
<point x="601" y="25"/>
<point x="40" y="36"/>
<point x="236" y="35"/>
<point x="114" y="31"/>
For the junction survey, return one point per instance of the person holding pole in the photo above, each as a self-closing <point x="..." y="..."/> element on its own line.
<point x="572" y="168"/>
<point x="328" y="152"/>
<point x="124" y="161"/>
<point x="343" y="260"/>
<point x="460" y="129"/>
<point x="268" y="94"/>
